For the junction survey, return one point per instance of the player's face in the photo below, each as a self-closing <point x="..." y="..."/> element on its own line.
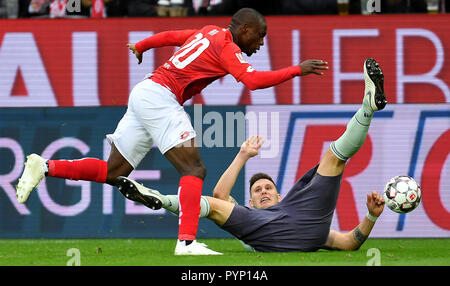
<point x="253" y="38"/>
<point x="264" y="194"/>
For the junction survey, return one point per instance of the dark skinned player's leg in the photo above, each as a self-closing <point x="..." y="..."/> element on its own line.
<point x="117" y="166"/>
<point x="91" y="169"/>
<point x="186" y="159"/>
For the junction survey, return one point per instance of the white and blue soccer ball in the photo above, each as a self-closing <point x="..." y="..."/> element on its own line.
<point x="402" y="194"/>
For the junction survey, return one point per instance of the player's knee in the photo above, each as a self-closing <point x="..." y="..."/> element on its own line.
<point x="116" y="171"/>
<point x="330" y="165"/>
<point x="196" y="169"/>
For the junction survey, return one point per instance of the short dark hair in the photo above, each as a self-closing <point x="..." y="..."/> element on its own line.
<point x="246" y="16"/>
<point x="259" y="176"/>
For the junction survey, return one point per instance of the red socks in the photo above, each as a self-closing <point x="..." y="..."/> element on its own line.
<point x="189" y="193"/>
<point x="87" y="169"/>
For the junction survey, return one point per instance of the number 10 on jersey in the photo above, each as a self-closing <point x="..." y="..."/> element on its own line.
<point x="199" y="43"/>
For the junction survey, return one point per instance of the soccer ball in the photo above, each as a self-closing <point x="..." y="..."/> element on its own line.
<point x="402" y="194"/>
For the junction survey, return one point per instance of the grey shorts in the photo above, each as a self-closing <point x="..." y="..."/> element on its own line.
<point x="300" y="222"/>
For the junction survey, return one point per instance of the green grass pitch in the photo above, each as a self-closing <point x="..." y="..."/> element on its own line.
<point x="159" y="252"/>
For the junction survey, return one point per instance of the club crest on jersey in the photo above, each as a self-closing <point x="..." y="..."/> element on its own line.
<point x="184" y="135"/>
<point x="240" y="58"/>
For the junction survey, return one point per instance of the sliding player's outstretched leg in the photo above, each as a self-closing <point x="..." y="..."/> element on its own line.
<point x="153" y="199"/>
<point x="138" y="193"/>
<point x="374" y="100"/>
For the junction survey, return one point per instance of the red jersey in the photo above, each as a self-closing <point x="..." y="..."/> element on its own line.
<point x="204" y="56"/>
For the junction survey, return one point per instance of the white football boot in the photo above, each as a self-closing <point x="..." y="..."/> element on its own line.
<point x="374" y="81"/>
<point x="134" y="191"/>
<point x="195" y="248"/>
<point x="32" y="175"/>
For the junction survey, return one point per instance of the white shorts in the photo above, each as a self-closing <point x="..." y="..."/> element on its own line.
<point x="153" y="116"/>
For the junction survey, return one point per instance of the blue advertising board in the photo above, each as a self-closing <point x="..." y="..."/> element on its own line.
<point x="402" y="139"/>
<point x="61" y="208"/>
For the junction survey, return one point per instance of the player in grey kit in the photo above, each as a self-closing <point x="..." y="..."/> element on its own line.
<point x="301" y="220"/>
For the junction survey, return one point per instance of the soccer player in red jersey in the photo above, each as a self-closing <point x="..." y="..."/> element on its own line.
<point x="155" y="113"/>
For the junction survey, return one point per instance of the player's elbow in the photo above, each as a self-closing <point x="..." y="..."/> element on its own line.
<point x="354" y="245"/>
<point x="348" y="243"/>
<point x="251" y="86"/>
<point x="250" y="82"/>
<point x="218" y="194"/>
<point x="221" y="194"/>
<point x="349" y="247"/>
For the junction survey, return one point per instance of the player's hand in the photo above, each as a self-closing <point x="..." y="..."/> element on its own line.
<point x="133" y="49"/>
<point x="251" y="146"/>
<point x="375" y="203"/>
<point x="313" y="66"/>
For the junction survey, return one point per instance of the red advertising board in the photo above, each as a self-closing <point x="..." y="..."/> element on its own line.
<point x="84" y="62"/>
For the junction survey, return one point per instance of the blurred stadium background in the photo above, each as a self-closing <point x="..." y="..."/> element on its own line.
<point x="65" y="76"/>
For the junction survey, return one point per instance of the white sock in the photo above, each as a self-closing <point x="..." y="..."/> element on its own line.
<point x="45" y="166"/>
<point x="171" y="203"/>
<point x="355" y="134"/>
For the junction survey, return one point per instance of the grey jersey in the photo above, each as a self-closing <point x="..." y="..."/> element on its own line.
<point x="300" y="222"/>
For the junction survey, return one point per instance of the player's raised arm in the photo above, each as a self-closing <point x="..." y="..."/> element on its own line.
<point x="234" y="63"/>
<point x="354" y="239"/>
<point x="226" y="182"/>
<point x="168" y="38"/>
<point x="263" y="79"/>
